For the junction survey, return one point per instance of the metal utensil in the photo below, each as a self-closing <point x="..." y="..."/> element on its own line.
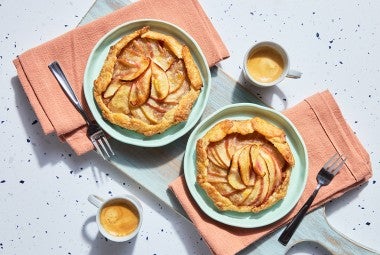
<point x="324" y="177"/>
<point x="94" y="132"/>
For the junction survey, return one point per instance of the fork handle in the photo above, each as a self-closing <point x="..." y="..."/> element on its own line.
<point x="293" y="225"/>
<point x="56" y="69"/>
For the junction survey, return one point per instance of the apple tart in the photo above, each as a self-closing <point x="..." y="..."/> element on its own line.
<point x="148" y="82"/>
<point x="244" y="165"/>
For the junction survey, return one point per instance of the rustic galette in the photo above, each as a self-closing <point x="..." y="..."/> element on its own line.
<point x="148" y="83"/>
<point x="244" y="165"/>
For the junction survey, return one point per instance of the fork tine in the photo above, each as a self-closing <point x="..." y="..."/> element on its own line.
<point x="334" y="164"/>
<point x="95" y="143"/>
<point x="108" y="146"/>
<point x="100" y="141"/>
<point x="339" y="166"/>
<point x="331" y="161"/>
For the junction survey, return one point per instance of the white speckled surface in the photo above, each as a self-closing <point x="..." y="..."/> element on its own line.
<point x="44" y="185"/>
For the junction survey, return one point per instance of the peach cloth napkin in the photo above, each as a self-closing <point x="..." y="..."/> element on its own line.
<point x="72" y="49"/>
<point x="325" y="132"/>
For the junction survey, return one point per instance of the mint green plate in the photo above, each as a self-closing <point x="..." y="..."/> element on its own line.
<point x="297" y="180"/>
<point x="95" y="63"/>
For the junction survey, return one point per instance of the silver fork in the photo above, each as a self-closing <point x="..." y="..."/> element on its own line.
<point x="94" y="132"/>
<point x="324" y="177"/>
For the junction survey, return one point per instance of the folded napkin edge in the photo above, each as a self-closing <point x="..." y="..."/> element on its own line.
<point x="44" y="121"/>
<point x="345" y="141"/>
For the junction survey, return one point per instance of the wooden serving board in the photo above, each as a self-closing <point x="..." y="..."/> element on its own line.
<point x="165" y="164"/>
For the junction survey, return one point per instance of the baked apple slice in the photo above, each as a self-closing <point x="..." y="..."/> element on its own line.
<point x="245" y="167"/>
<point x="224" y="189"/>
<point x="140" y="90"/>
<point x="174" y="97"/>
<point x="118" y="103"/>
<point x="112" y="88"/>
<point x="214" y="157"/>
<point x="253" y="197"/>
<point x="169" y="41"/>
<point x="176" y="75"/>
<point x="128" y="68"/>
<point x="257" y="165"/>
<point x="234" y="178"/>
<point x="151" y="114"/>
<point x="160" y="83"/>
<point x="264" y="191"/>
<point x="271" y="171"/>
<point x="238" y="198"/>
<point x="162" y="108"/>
<point x="220" y="149"/>
<point x="215" y="170"/>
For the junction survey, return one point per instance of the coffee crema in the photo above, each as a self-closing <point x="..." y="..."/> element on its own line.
<point x="265" y="65"/>
<point x="119" y="219"/>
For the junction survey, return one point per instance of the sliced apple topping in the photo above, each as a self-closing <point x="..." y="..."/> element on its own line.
<point x="161" y="55"/>
<point x="231" y="145"/>
<point x="225" y="189"/>
<point x="139" y="114"/>
<point x="176" y="75"/>
<point x="118" y="103"/>
<point x="264" y="192"/>
<point x="248" y="171"/>
<point x="144" y="84"/>
<point x="214" y="169"/>
<point x="239" y="197"/>
<point x="271" y="172"/>
<point x="112" y="88"/>
<point x="162" y="108"/>
<point x="142" y="47"/>
<point x="140" y="90"/>
<point x="221" y="152"/>
<point x="160" y="83"/>
<point x="257" y="165"/>
<point x="253" y="198"/>
<point x="214" y="157"/>
<point x="130" y="65"/>
<point x="151" y="114"/>
<point x="234" y="177"/>
<point x="169" y="41"/>
<point x="245" y="167"/>
<point x="216" y="178"/>
<point x="174" y="97"/>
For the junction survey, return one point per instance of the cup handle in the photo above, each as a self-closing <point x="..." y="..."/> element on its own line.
<point x="95" y="200"/>
<point x="293" y="74"/>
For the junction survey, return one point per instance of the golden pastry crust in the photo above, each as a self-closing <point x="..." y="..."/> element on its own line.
<point x="244" y="165"/>
<point x="148" y="83"/>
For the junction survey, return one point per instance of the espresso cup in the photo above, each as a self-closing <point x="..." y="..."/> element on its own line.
<point x="267" y="64"/>
<point x="118" y="218"/>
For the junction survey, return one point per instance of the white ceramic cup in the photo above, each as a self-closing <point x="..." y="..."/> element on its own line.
<point x="129" y="201"/>
<point x="287" y="72"/>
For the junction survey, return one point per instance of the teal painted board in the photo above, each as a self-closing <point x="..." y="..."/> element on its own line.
<point x="165" y="165"/>
<point x="314" y="228"/>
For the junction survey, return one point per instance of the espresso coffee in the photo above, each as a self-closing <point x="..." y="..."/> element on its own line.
<point x="265" y="64"/>
<point x="119" y="219"/>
